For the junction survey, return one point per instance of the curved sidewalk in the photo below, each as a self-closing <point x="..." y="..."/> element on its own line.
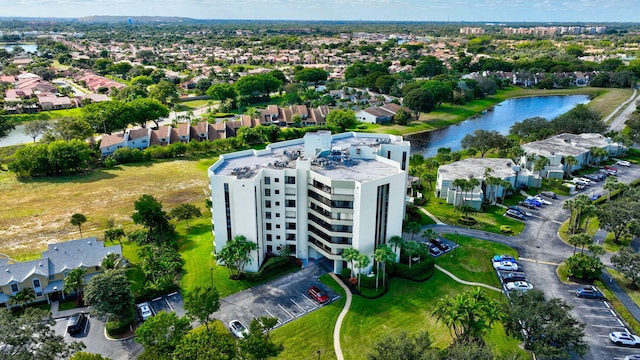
<point x="467" y="282"/>
<point x="336" y="330"/>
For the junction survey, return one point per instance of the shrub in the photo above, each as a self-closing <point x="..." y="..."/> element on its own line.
<point x="345" y="273"/>
<point x="467" y="220"/>
<point x="418" y="271"/>
<point x="109" y="162"/>
<point x="369" y="282"/>
<point x="128" y="155"/>
<point x="273" y="266"/>
<point x="119" y="326"/>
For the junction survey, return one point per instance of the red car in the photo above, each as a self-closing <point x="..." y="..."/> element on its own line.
<point x="318" y="295"/>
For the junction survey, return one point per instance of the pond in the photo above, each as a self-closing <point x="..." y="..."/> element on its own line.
<point x="500" y="119"/>
<point x="27" y="47"/>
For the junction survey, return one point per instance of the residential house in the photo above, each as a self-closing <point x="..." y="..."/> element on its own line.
<point x="46" y="274"/>
<point x="378" y="114"/>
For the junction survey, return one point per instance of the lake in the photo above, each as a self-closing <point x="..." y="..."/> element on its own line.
<point x="500" y="119"/>
<point x="27" y="47"/>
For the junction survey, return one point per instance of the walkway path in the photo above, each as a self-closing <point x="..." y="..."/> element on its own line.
<point x="467" y="282"/>
<point x="621" y="113"/>
<point x="433" y="217"/>
<point x="336" y="330"/>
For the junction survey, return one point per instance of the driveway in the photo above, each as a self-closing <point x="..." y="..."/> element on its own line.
<point x="95" y="341"/>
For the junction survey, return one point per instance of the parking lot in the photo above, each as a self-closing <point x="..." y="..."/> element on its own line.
<point x="285" y="299"/>
<point x="172" y="302"/>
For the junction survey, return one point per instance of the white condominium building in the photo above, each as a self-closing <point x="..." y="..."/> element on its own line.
<point x="315" y="196"/>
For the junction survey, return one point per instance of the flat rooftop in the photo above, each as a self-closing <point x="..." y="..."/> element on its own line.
<point x="475" y="167"/>
<point x="332" y="166"/>
<point x="566" y="144"/>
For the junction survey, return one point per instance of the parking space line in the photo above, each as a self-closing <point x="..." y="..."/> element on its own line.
<point x="168" y="303"/>
<point x="273" y="316"/>
<point x="538" y="261"/>
<point x="313" y="303"/>
<point x="285" y="310"/>
<point x="599" y="316"/>
<point x="298" y="305"/>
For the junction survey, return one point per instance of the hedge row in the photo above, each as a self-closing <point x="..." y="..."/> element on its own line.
<point x="273" y="266"/>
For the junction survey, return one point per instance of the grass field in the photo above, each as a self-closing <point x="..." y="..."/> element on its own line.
<point x="490" y="220"/>
<point x="44" y="115"/>
<point x="37" y="212"/>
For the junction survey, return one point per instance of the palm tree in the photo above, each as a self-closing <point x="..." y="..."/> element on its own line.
<point x="430" y="234"/>
<point x="362" y="261"/>
<point x="23" y="297"/>
<point x="587" y="212"/>
<point x="430" y="165"/>
<point x="350" y="255"/>
<point x="540" y="163"/>
<point x="569" y="161"/>
<point x="598" y="154"/>
<point x="582" y="201"/>
<point x="112" y="261"/>
<point x="396" y="242"/>
<point x="412" y="227"/>
<point x="581" y="240"/>
<point x="77" y="220"/>
<point x="570" y="205"/>
<point x="458" y="184"/>
<point x="74" y="281"/>
<point x="411" y="248"/>
<point x="383" y="255"/>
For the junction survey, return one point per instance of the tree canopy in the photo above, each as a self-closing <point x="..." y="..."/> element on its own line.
<point x="341" y="118"/>
<point x="201" y="302"/>
<point x="419" y="100"/>
<point x="483" y="141"/>
<point x="110" y="293"/>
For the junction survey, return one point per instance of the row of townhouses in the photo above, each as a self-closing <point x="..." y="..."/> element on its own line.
<point x="295" y="115"/>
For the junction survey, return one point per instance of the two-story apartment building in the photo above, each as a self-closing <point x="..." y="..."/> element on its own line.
<point x="315" y="196"/>
<point x="46" y="274"/>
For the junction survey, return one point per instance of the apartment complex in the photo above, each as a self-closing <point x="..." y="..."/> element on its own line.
<point x="315" y="196"/>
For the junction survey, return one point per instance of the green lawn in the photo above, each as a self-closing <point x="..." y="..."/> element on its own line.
<point x="45" y="115"/>
<point x="618" y="307"/>
<point x="488" y="221"/>
<point x="624" y="283"/>
<point x="477" y="256"/>
<point x="67" y="305"/>
<point x="407" y="306"/>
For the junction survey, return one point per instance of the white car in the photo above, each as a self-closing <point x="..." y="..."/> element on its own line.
<point x="623" y="163"/>
<point x="505" y="265"/>
<point x="519" y="285"/>
<point x="145" y="311"/>
<point x="624" y="339"/>
<point x="632" y="357"/>
<point x="543" y="200"/>
<point x="237" y="329"/>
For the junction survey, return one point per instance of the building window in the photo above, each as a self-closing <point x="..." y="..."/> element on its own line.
<point x="277" y="215"/>
<point x="277" y="203"/>
<point x="268" y="226"/>
<point x="14" y="288"/>
<point x="269" y="248"/>
<point x="36" y="283"/>
<point x="267" y="204"/>
<point x="277" y="180"/>
<point x="291" y="237"/>
<point x="277" y="237"/>
<point x="277" y="192"/>
<point x="267" y="180"/>
<point x="267" y="215"/>
<point x="290" y="203"/>
<point x="267" y="192"/>
<point x="291" y="226"/>
<point x="290" y="180"/>
<point x="269" y="237"/>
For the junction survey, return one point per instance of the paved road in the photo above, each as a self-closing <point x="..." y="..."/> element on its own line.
<point x="628" y="106"/>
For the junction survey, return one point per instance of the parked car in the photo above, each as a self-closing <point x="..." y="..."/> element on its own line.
<point x="514" y="214"/>
<point x="549" y="194"/>
<point x="145" y="311"/>
<point x="519" y="286"/>
<point x="589" y="292"/>
<point x="499" y="258"/>
<point x="526" y="205"/>
<point x="597" y="177"/>
<point x="237" y="329"/>
<point x="623" y="163"/>
<point x="512" y="276"/>
<point x="317" y="294"/>
<point x="533" y="201"/>
<point x="505" y="266"/>
<point x="610" y="168"/>
<point x="440" y="244"/>
<point x="632" y="357"/>
<point x="595" y="196"/>
<point x="434" y="251"/>
<point x="76" y="323"/>
<point x="579" y="181"/>
<point x="542" y="200"/>
<point x="505" y="229"/>
<point x="624" y="339"/>
<point x="609" y="172"/>
<point x="521" y="211"/>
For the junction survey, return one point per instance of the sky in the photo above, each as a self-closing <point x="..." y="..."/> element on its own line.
<point x="389" y="10"/>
